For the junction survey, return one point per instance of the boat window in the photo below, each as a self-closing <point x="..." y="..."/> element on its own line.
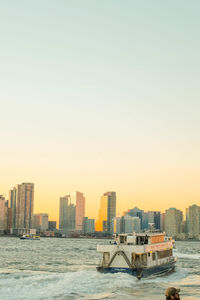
<point x="141" y="240"/>
<point x="122" y="239"/>
<point x="165" y="253"/>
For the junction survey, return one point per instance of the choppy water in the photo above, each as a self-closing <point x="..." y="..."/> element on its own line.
<point x="66" y="269"/>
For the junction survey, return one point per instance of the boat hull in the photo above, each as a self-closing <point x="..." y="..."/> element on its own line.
<point x="141" y="272"/>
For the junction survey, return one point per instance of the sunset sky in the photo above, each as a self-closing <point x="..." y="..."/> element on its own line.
<point x="101" y="96"/>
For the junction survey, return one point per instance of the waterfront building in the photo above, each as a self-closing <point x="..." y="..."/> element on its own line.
<point x="2" y="214"/>
<point x="154" y="218"/>
<point x="173" y="222"/>
<point x="162" y="222"/>
<point x="79" y="200"/>
<point x="9" y="219"/>
<point x="117" y="225"/>
<point x="193" y="221"/>
<point x="67" y="212"/>
<point x="132" y="224"/>
<point x="107" y="212"/>
<point x="40" y="222"/>
<point x="24" y="207"/>
<point x="63" y="212"/>
<point x="135" y="212"/>
<point x="145" y="224"/>
<point x="13" y="205"/>
<point x="52" y="225"/>
<point x="127" y="224"/>
<point x="88" y="225"/>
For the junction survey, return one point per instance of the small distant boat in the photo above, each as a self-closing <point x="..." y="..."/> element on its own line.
<point x="139" y="254"/>
<point x="29" y="237"/>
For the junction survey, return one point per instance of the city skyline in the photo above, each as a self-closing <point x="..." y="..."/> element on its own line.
<point x="11" y="196"/>
<point x="17" y="217"/>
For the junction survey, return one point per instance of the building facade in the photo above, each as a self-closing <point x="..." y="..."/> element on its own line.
<point x="52" y="225"/>
<point x="13" y="205"/>
<point x="88" y="225"/>
<point x="25" y="204"/>
<point x="173" y="222"/>
<point x="154" y="218"/>
<point x="107" y="213"/>
<point x="193" y="222"/>
<point x="127" y="224"/>
<point x="40" y="222"/>
<point x="67" y="214"/>
<point x="2" y="214"/>
<point x="79" y="200"/>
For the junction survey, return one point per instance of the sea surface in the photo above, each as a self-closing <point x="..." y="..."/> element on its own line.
<point x="55" y="268"/>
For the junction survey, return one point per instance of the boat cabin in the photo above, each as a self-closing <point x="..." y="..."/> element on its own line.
<point x="140" y="238"/>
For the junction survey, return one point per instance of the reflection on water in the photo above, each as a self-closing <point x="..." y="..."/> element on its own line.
<point x="66" y="269"/>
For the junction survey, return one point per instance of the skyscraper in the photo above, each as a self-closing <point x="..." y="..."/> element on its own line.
<point x="136" y="212"/>
<point x="13" y="201"/>
<point x="193" y="221"/>
<point x="173" y="221"/>
<point x="127" y="224"/>
<point x="154" y="218"/>
<point x="162" y="221"/>
<point x="40" y="222"/>
<point x="2" y="214"/>
<point x="88" y="225"/>
<point x="79" y="200"/>
<point x="63" y="212"/>
<point x="24" y="207"/>
<point x="107" y="212"/>
<point x="66" y="214"/>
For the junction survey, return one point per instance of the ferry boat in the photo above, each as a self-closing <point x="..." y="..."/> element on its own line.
<point x="29" y="237"/>
<point x="140" y="254"/>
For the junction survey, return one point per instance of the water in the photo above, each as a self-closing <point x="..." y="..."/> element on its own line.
<point x="66" y="269"/>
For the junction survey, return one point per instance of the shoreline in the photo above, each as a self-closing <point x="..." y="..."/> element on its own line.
<point x="89" y="238"/>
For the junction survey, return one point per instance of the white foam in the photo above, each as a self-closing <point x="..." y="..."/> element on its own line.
<point x="188" y="256"/>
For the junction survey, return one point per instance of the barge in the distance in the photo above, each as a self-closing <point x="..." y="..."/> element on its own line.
<point x="140" y="254"/>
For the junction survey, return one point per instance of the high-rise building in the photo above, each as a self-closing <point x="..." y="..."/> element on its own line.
<point x="2" y="214"/>
<point x="173" y="222"/>
<point x="88" y="225"/>
<point x="145" y="221"/>
<point x="154" y="218"/>
<point x="52" y="225"/>
<point x="40" y="222"/>
<point x="193" y="221"/>
<point x="66" y="214"/>
<point x="24" y="207"/>
<point x="79" y="200"/>
<point x="162" y="222"/>
<point x="132" y="224"/>
<point x="13" y="202"/>
<point x="107" y="212"/>
<point x="117" y="225"/>
<point x="135" y="212"/>
<point x="63" y="212"/>
<point x="127" y="224"/>
<point x="8" y="219"/>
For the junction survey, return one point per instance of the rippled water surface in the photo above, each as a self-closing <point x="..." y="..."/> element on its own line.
<point x="66" y="269"/>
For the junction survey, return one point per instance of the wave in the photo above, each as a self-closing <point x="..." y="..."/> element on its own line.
<point x="87" y="284"/>
<point x="187" y="255"/>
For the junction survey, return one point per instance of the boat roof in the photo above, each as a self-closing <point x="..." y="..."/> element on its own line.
<point x="147" y="233"/>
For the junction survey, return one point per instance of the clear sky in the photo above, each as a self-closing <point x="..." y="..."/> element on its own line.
<point x="101" y="95"/>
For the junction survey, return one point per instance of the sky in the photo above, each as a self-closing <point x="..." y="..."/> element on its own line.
<point x="100" y="96"/>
